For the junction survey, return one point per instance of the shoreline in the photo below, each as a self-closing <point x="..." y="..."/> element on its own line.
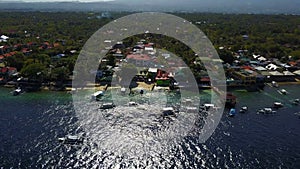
<point x="149" y="87"/>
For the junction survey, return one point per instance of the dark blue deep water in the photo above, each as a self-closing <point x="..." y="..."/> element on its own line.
<point x="30" y="124"/>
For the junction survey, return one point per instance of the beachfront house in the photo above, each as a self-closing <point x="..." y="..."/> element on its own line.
<point x="279" y="76"/>
<point x="162" y="78"/>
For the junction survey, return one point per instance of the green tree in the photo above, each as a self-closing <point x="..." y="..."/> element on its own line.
<point x="295" y="54"/>
<point x="60" y="74"/>
<point x="226" y="56"/>
<point x="34" y="71"/>
<point x="43" y="59"/>
<point x="111" y="60"/>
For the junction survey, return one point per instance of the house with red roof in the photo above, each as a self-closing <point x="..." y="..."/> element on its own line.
<point x="17" y="47"/>
<point x="45" y="45"/>
<point x="26" y="51"/>
<point x="8" y="71"/>
<point x="9" y="54"/>
<point x="162" y="78"/>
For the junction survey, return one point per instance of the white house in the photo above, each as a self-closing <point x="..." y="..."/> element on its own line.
<point x="271" y="67"/>
<point x="255" y="56"/>
<point x="4" y="38"/>
<point x="262" y="59"/>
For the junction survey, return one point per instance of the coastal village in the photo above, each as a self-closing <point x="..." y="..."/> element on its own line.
<point x="249" y="72"/>
<point x="33" y="60"/>
<point x="150" y="101"/>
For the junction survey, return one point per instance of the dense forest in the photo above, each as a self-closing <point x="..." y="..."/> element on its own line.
<point x="49" y="43"/>
<point x="269" y="35"/>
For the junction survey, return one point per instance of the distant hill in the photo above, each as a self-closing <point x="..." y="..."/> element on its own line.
<point x="219" y="6"/>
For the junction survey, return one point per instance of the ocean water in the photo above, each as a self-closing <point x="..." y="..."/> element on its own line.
<point x="31" y="123"/>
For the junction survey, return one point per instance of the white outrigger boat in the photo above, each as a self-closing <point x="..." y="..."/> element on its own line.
<point x="266" y="111"/>
<point x="168" y="111"/>
<point x="278" y="105"/>
<point x="17" y="91"/>
<point x="296" y="101"/>
<point x="97" y="95"/>
<point x="244" y="109"/>
<point x="132" y="104"/>
<point x="283" y="91"/>
<point x="123" y="90"/>
<point x="207" y="107"/>
<point x="108" y="105"/>
<point x="71" y="139"/>
<point x="274" y="84"/>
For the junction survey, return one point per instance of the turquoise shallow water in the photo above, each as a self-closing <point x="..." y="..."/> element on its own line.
<point x="31" y="122"/>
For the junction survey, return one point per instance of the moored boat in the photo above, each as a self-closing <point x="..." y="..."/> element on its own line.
<point x="266" y="111"/>
<point x="277" y="105"/>
<point x="275" y="84"/>
<point x="132" y="104"/>
<point x="123" y="90"/>
<point x="108" y="105"/>
<point x="17" y="91"/>
<point x="296" y="101"/>
<point x="168" y="111"/>
<point x="244" y="109"/>
<point x="283" y="91"/>
<point x="207" y="107"/>
<point x="232" y="112"/>
<point x="97" y="95"/>
<point x="71" y="139"/>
